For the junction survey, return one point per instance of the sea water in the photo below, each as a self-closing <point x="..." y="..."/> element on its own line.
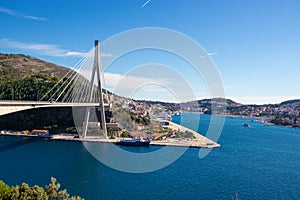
<point x="256" y="162"/>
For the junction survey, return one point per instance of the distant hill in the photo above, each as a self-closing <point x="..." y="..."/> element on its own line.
<point x="18" y="66"/>
<point x="295" y="101"/>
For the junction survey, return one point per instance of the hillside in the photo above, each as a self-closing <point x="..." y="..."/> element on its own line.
<point x="294" y="102"/>
<point x="17" y="66"/>
<point x="27" y="78"/>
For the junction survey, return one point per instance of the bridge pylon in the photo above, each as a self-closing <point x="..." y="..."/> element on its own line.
<point x="95" y="72"/>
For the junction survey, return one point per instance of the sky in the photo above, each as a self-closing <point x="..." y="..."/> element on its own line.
<point x="253" y="43"/>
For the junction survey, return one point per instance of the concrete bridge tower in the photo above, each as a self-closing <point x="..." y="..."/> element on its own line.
<point x="96" y="72"/>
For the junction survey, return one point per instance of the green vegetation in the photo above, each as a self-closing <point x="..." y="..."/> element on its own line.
<point x="185" y="134"/>
<point x="128" y="119"/>
<point x="152" y="130"/>
<point x="122" y="116"/>
<point x="140" y="119"/>
<point x="124" y="134"/>
<point x="25" y="78"/>
<point x="25" y="192"/>
<point x="112" y="132"/>
<point x="29" y="88"/>
<point x="286" y="121"/>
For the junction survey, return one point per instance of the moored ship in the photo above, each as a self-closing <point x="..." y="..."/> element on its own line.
<point x="138" y="141"/>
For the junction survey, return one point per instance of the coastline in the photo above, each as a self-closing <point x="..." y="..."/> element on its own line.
<point x="263" y="120"/>
<point x="199" y="141"/>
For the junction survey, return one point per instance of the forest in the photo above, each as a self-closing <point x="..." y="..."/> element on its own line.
<point x="31" y="88"/>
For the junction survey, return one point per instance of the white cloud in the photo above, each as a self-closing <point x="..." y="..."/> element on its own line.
<point x="262" y="99"/>
<point x="18" y="14"/>
<point x="111" y="79"/>
<point x="213" y="54"/>
<point x="45" y="49"/>
<point x="143" y="87"/>
<point x="129" y="82"/>
<point x="75" y="54"/>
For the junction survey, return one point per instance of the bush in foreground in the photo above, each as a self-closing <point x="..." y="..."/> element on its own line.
<point x="25" y="192"/>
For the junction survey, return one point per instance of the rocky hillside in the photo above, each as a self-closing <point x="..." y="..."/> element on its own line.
<point x="17" y="66"/>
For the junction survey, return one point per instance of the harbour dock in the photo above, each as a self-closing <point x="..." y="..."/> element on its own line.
<point x="199" y="140"/>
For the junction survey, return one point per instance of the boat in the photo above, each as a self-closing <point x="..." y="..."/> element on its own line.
<point x="137" y="141"/>
<point x="177" y="113"/>
<point x="246" y="124"/>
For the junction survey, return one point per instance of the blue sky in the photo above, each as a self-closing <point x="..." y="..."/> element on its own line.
<point x="254" y="43"/>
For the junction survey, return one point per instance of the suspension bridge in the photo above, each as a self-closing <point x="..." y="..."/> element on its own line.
<point x="80" y="88"/>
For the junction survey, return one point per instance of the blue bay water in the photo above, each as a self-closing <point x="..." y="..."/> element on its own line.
<point x="259" y="162"/>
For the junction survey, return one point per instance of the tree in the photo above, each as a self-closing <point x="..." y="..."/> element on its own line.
<point x="25" y="192"/>
<point x="54" y="194"/>
<point x="4" y="189"/>
<point x="52" y="188"/>
<point x="39" y="193"/>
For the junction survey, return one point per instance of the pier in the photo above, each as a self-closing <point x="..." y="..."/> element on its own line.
<point x="199" y="141"/>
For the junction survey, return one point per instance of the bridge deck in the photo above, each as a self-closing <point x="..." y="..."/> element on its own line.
<point x="47" y="103"/>
<point x="7" y="107"/>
